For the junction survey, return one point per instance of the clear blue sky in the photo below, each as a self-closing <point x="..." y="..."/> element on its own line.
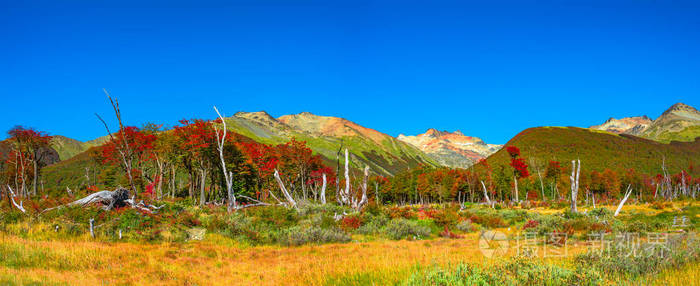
<point x="487" y="68"/>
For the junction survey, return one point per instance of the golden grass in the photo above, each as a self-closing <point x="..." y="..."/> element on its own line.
<point x="688" y="275"/>
<point x="219" y="261"/>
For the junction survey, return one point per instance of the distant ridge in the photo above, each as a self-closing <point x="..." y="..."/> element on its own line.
<point x="452" y="149"/>
<point x="680" y="122"/>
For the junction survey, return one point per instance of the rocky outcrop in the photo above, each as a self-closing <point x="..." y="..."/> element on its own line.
<point x="680" y="122"/>
<point x="452" y="149"/>
<point x="627" y="125"/>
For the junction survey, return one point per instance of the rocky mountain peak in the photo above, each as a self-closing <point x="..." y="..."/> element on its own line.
<point x="452" y="149"/>
<point x="432" y="132"/>
<point x="682" y="109"/>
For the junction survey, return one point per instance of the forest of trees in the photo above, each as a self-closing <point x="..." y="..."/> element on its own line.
<point x="183" y="162"/>
<point x="198" y="160"/>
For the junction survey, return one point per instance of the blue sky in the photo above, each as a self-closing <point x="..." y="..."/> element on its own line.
<point x="487" y="68"/>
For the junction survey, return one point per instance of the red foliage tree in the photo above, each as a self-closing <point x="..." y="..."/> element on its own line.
<point x="140" y="144"/>
<point x="517" y="162"/>
<point x="28" y="147"/>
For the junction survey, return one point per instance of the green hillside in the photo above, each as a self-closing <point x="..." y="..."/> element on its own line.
<point x="599" y="150"/>
<point x="386" y="156"/>
<point x="68" y="148"/>
<point x="680" y="122"/>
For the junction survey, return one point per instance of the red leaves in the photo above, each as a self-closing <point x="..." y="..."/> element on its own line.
<point x="448" y="234"/>
<point x="517" y="162"/>
<point x="196" y="135"/>
<point x="531" y="224"/>
<point x="140" y="143"/>
<point x="513" y="151"/>
<point x="520" y="167"/>
<point x="150" y="189"/>
<point x="261" y="155"/>
<point x="350" y="223"/>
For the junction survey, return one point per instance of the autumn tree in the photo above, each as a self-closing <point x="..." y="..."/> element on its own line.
<point x="519" y="167"/>
<point x="28" y="148"/>
<point x="553" y="172"/>
<point x="139" y="143"/>
<point x="197" y="138"/>
<point x="296" y="163"/>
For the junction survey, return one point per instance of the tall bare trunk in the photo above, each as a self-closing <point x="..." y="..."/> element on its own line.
<point x="575" y="171"/>
<point x="202" y="197"/>
<point x="36" y="175"/>
<point x="516" y="198"/>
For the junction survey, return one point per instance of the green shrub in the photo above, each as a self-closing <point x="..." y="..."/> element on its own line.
<point x="372" y="224"/>
<point x="402" y="228"/>
<point x="299" y="235"/>
<point x="467" y="226"/>
<point x="276" y="216"/>
<point x="330" y="209"/>
<point x="621" y="259"/>
<point x="446" y="217"/>
<point x="516" y="271"/>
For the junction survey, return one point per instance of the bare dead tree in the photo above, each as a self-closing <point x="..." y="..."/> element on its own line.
<point x="624" y="199"/>
<point x="345" y="192"/>
<point x="516" y="198"/>
<point x="537" y="165"/>
<point x="92" y="227"/>
<point x="323" y="190"/>
<point x="575" y="171"/>
<point x="337" y="171"/>
<point x="286" y="193"/>
<point x="123" y="147"/>
<point x="358" y="205"/>
<point x="347" y="196"/>
<point x="110" y="200"/>
<point x="12" y="198"/>
<point x="486" y="194"/>
<point x="228" y="176"/>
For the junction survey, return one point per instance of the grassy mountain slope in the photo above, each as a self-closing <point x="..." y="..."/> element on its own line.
<point x="680" y="122"/>
<point x="598" y="150"/>
<point x="68" y="148"/>
<point x="384" y="154"/>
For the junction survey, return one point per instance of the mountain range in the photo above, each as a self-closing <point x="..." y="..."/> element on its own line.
<point x="680" y="122"/>
<point x="388" y="155"/>
<point x="452" y="149"/>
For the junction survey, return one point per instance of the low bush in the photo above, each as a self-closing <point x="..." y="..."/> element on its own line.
<point x="467" y="226"/>
<point x="372" y="224"/>
<point x="516" y="271"/>
<point x="299" y="235"/>
<point x="402" y="228"/>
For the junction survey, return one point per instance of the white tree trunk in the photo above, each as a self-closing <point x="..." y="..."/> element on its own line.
<point x="486" y="194"/>
<point x="202" y="197"/>
<point x="92" y="227"/>
<point x="323" y="190"/>
<point x="286" y="194"/>
<point x="541" y="184"/>
<point x="346" y="191"/>
<point x="228" y="176"/>
<point x="622" y="203"/>
<point x="516" y="199"/>
<point x="12" y="198"/>
<point x="575" y="171"/>
<point x="358" y="205"/>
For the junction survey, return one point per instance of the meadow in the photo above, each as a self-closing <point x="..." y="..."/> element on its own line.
<point x="382" y="245"/>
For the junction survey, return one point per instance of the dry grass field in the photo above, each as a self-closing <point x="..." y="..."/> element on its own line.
<point x="31" y="255"/>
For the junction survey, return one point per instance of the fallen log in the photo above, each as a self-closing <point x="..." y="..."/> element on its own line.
<point x="110" y="200"/>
